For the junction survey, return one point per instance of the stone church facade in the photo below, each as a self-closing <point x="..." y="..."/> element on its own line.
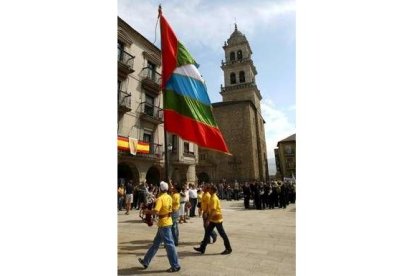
<point x="239" y="119"/>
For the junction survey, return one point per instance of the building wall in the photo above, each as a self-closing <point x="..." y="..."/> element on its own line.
<point x="130" y="124"/>
<point x="287" y="158"/>
<point x="237" y="122"/>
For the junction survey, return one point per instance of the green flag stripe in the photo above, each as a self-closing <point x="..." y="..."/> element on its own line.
<point x="189" y="107"/>
<point x="183" y="56"/>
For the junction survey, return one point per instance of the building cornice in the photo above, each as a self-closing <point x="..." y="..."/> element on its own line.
<point x="138" y="36"/>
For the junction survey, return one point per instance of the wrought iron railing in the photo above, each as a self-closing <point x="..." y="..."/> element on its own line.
<point x="238" y="86"/>
<point x="150" y="74"/>
<point x="227" y="62"/>
<point x="124" y="99"/>
<point x="155" y="151"/>
<point x="125" y="58"/>
<point x="152" y="111"/>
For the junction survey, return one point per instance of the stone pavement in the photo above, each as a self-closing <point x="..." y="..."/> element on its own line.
<point x="263" y="242"/>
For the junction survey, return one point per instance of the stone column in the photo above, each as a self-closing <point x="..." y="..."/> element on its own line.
<point x="191" y="174"/>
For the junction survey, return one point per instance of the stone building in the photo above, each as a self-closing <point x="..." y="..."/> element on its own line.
<point x="285" y="155"/>
<point x="239" y="119"/>
<point x="141" y="143"/>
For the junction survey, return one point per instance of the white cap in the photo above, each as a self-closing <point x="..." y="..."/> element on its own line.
<point x="164" y="186"/>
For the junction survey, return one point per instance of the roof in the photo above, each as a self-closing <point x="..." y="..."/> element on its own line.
<point x="236" y="37"/>
<point x="291" y="138"/>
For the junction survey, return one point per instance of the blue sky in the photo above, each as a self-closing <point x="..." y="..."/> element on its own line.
<point x="203" y="26"/>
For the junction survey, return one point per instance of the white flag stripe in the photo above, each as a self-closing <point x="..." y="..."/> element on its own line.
<point x="189" y="70"/>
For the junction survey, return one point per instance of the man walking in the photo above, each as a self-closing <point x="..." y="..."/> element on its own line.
<point x="175" y="213"/>
<point x="215" y="218"/>
<point x="163" y="208"/>
<point x="129" y="190"/>
<point x="205" y="200"/>
<point x="193" y="199"/>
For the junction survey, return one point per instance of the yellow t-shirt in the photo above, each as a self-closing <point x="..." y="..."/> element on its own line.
<point x="199" y="196"/>
<point x="175" y="202"/>
<point x="205" y="201"/>
<point x="214" y="209"/>
<point x="163" y="205"/>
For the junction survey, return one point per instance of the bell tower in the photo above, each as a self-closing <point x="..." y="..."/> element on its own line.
<point x="239" y="71"/>
<point x="239" y="118"/>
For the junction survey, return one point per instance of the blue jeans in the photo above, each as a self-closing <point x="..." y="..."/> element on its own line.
<point x="174" y="229"/>
<point x="163" y="235"/>
<point x="121" y="201"/>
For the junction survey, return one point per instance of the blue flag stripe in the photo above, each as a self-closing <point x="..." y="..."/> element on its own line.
<point x="189" y="87"/>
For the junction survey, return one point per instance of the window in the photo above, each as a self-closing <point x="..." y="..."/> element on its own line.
<point x="120" y="50"/>
<point x="188" y="148"/>
<point x="241" y="76"/>
<point x="152" y="70"/>
<point x="232" y="78"/>
<point x="149" y="105"/>
<point x="148" y="138"/>
<point x="290" y="163"/>
<point x="288" y="149"/>
<point x="232" y="56"/>
<point x="239" y="55"/>
<point x="174" y="143"/>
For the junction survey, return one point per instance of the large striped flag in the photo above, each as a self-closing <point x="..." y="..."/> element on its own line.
<point x="187" y="108"/>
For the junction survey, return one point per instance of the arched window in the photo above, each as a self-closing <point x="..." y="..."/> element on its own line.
<point x="232" y="78"/>
<point x="239" y="55"/>
<point x="232" y="56"/>
<point x="241" y="76"/>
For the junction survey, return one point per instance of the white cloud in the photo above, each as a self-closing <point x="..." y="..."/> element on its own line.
<point x="277" y="126"/>
<point x="204" y="23"/>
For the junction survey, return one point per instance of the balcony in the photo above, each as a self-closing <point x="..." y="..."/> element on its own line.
<point x="188" y="154"/>
<point x="238" y="86"/>
<point x="124" y="102"/>
<point x="125" y="63"/>
<point x="151" y="80"/>
<point x="155" y="153"/>
<point x="151" y="113"/>
<point x="230" y="62"/>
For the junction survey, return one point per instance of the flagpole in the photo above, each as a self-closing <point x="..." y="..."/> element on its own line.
<point x="166" y="150"/>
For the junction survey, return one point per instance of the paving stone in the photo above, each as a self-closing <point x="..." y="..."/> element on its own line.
<point x="263" y="242"/>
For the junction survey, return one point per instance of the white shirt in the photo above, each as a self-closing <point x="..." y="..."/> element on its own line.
<point x="192" y="193"/>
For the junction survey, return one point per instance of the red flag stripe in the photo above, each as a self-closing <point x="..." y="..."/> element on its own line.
<point x="190" y="130"/>
<point x="169" y="45"/>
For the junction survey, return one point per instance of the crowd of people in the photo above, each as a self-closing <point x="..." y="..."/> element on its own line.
<point x="269" y="195"/>
<point x="256" y="195"/>
<point x="171" y="204"/>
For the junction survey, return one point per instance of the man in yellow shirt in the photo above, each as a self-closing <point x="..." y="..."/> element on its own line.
<point x="175" y="212"/>
<point x="163" y="208"/>
<point x="215" y="218"/>
<point x="199" y="196"/>
<point x="204" y="208"/>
